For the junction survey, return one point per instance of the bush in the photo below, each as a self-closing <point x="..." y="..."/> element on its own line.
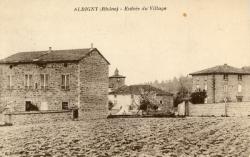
<point x="198" y="97"/>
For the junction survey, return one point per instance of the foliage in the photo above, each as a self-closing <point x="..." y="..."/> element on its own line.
<point x="32" y="107"/>
<point x="148" y="101"/>
<point x="181" y="87"/>
<point x="174" y="85"/>
<point x="110" y="105"/>
<point x="198" y="97"/>
<point x="182" y="93"/>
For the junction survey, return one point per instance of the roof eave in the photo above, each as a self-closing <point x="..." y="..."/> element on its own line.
<point x="220" y="73"/>
<point x="41" y="62"/>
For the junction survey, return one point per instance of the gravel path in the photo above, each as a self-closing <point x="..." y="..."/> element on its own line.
<point x="130" y="137"/>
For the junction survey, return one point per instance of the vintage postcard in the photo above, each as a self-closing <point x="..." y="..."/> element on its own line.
<point x="125" y="78"/>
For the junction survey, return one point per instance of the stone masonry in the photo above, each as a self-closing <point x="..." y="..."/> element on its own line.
<point x="213" y="81"/>
<point x="88" y="82"/>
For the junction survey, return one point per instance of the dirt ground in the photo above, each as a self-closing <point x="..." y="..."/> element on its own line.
<point x="130" y="137"/>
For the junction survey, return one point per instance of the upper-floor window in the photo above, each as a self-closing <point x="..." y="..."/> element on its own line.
<point x="205" y="87"/>
<point x="44" y="81"/>
<point x="65" y="82"/>
<point x="239" y="88"/>
<point x="28" y="81"/>
<point x="197" y="87"/>
<point x="239" y="77"/>
<point x="9" y="84"/>
<point x="225" y="88"/>
<point x="225" y="77"/>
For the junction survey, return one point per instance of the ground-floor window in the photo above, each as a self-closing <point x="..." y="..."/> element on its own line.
<point x="30" y="107"/>
<point x="239" y="98"/>
<point x="65" y="105"/>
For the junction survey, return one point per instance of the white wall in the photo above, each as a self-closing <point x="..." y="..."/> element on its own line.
<point x="217" y="109"/>
<point x="124" y="101"/>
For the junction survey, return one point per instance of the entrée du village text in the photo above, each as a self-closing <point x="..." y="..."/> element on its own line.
<point x="116" y="9"/>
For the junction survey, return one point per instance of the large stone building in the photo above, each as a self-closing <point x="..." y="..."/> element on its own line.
<point x="223" y="83"/>
<point x="55" y="80"/>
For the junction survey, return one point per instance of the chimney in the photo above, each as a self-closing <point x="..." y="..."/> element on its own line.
<point x="92" y="45"/>
<point x="50" y="49"/>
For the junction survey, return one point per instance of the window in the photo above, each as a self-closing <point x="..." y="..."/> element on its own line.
<point x="225" y="77"/>
<point x="197" y="87"/>
<point x="205" y="101"/>
<point x="239" y="77"/>
<point x="239" y="98"/>
<point x="239" y="88"/>
<point x="65" y="82"/>
<point x="30" y="107"/>
<point x="65" y="105"/>
<point x="9" y="85"/>
<point x="205" y="87"/>
<point x="44" y="81"/>
<point x="225" y="88"/>
<point x="28" y="81"/>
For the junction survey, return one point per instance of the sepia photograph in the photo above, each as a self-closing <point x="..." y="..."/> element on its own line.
<point x="132" y="78"/>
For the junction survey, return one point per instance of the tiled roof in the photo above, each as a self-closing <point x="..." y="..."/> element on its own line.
<point x="49" y="56"/>
<point x="221" y="69"/>
<point x="136" y="90"/>
<point x="116" y="74"/>
<point x="246" y="68"/>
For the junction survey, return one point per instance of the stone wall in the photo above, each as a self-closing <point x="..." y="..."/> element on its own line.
<point x="88" y="86"/>
<point x="93" y="100"/>
<point x="23" y="118"/>
<point x="53" y="95"/>
<point x="166" y="102"/>
<point x="219" y="109"/>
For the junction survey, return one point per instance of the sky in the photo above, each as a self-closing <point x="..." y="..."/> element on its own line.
<point x="144" y="45"/>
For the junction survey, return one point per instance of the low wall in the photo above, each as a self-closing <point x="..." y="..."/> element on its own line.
<point x="219" y="109"/>
<point x="23" y="118"/>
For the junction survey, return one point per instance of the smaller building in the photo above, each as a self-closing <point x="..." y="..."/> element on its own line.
<point x="223" y="83"/>
<point x="116" y="80"/>
<point x="126" y="99"/>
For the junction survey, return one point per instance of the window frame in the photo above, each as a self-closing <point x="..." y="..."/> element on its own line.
<point x="239" y="88"/>
<point x="44" y="81"/>
<point x="65" y="82"/>
<point x="240" y="77"/>
<point x="9" y="80"/>
<point x="28" y="81"/>
<point x="65" y="103"/>
<point x="225" y="77"/>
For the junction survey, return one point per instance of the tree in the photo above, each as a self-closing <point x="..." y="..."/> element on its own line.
<point x="182" y="93"/>
<point x="148" y="101"/>
<point x="198" y="97"/>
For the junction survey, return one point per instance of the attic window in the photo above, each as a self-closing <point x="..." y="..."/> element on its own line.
<point x="239" y="77"/>
<point x="225" y="77"/>
<point x="65" y="64"/>
<point x="11" y="66"/>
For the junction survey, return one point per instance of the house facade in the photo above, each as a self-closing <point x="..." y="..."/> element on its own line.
<point x="126" y="99"/>
<point x="55" y="80"/>
<point x="223" y="83"/>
